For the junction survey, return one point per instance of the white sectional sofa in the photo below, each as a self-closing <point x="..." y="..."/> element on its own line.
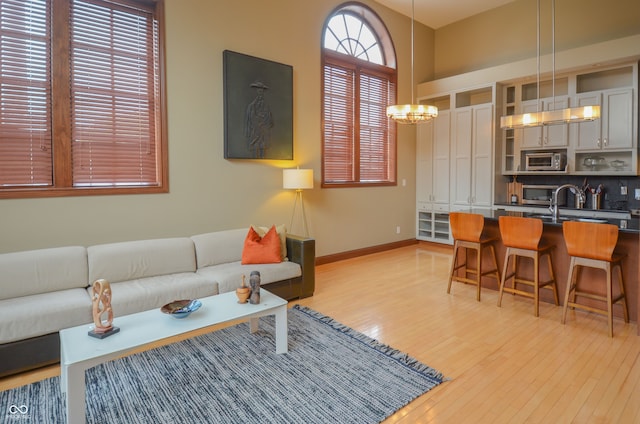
<point x="43" y="291"/>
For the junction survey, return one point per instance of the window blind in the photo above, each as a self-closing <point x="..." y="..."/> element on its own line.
<point x="339" y="124"/>
<point x="358" y="139"/>
<point x="25" y="94"/>
<point x="114" y="90"/>
<point x="377" y="149"/>
<point x="80" y="98"/>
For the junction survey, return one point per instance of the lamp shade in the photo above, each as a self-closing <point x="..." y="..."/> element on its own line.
<point x="297" y="178"/>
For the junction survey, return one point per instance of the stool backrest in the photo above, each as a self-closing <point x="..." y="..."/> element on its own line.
<point x="466" y="226"/>
<point x="590" y="240"/>
<point x="520" y="232"/>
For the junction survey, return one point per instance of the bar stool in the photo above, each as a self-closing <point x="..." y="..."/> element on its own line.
<point x="521" y="237"/>
<point x="592" y="245"/>
<point x="467" y="234"/>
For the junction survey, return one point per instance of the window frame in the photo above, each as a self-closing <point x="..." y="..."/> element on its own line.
<point x="60" y="69"/>
<point x="388" y="71"/>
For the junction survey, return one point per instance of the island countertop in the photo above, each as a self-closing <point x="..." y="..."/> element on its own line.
<point x="625" y="222"/>
<point x="628" y="243"/>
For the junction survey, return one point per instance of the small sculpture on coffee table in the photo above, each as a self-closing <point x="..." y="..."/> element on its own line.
<point x="254" y="282"/>
<point x="101" y="304"/>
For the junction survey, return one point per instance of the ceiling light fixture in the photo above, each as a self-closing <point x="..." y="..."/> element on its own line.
<point x="412" y="113"/>
<point x="549" y="117"/>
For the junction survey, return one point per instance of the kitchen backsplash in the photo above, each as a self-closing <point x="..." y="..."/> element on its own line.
<point x="613" y="199"/>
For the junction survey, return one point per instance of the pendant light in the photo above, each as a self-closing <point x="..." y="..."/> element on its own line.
<point x="549" y="117"/>
<point x="412" y="113"/>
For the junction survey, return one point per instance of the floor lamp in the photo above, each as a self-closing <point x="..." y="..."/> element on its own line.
<point x="298" y="180"/>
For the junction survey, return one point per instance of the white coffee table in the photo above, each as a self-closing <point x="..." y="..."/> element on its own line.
<point x="79" y="351"/>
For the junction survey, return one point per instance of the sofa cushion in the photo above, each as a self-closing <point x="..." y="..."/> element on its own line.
<point x="219" y="247"/>
<point x="282" y="234"/>
<point x="42" y="271"/>
<point x="229" y="275"/>
<point x="30" y="316"/>
<point x="142" y="294"/>
<point x="140" y="259"/>
<point x="261" y="250"/>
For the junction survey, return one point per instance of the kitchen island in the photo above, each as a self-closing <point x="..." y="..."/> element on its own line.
<point x="628" y="241"/>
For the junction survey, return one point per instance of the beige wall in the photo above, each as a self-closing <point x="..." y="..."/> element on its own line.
<point x="508" y="34"/>
<point x="210" y="193"/>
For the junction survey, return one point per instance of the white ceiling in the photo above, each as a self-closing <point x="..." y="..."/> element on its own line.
<point x="438" y="13"/>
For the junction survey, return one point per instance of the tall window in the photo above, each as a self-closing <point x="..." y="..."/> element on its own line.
<point x="359" y="82"/>
<point x="81" y="108"/>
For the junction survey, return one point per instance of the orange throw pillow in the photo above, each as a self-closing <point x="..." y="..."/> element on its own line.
<point x="265" y="250"/>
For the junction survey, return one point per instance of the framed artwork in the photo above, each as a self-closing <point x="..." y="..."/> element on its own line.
<point x="258" y="108"/>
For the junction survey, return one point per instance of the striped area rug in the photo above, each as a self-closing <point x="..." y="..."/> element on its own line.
<point x="332" y="373"/>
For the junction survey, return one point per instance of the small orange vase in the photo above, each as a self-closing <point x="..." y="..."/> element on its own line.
<point x="243" y="292"/>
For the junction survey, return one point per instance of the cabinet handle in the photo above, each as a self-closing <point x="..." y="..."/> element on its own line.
<point x="605" y="142"/>
<point x="598" y="142"/>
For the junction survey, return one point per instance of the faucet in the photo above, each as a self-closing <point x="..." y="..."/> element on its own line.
<point x="554" y="199"/>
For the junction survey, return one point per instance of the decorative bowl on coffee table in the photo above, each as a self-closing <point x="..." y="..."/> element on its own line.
<point x="181" y="308"/>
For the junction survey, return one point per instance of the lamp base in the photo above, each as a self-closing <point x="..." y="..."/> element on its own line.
<point x="305" y="226"/>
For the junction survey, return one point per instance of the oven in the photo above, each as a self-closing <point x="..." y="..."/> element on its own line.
<point x="540" y="195"/>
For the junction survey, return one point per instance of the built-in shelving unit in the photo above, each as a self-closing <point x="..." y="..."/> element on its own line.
<point x="611" y="141"/>
<point x="606" y="75"/>
<point x="432" y="173"/>
<point x="434" y="226"/>
<point x="453" y="154"/>
<point x="509" y="163"/>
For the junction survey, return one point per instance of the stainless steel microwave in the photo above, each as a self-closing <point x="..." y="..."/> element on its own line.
<point x="540" y="195"/>
<point x="545" y="161"/>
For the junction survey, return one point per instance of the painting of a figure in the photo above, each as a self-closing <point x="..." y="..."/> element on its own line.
<point x="258" y="108"/>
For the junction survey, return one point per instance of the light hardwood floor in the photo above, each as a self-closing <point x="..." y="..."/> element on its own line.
<point x="504" y="365"/>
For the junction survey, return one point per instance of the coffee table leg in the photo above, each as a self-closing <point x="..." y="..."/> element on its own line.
<point x="74" y="387"/>
<point x="282" y="342"/>
<point x="254" y="325"/>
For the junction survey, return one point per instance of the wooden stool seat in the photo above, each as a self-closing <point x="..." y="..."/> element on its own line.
<point x="522" y="236"/>
<point x="592" y="245"/>
<point x="466" y="229"/>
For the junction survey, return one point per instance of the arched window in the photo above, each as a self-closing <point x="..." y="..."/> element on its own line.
<point x="359" y="82"/>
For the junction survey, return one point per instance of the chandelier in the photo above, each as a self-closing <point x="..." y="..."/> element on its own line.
<point x="412" y="113"/>
<point x="549" y="117"/>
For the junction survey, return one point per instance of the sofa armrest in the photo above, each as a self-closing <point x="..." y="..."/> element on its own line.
<point x="302" y="250"/>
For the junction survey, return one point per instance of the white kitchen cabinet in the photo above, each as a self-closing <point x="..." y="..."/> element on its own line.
<point x="441" y="157"/>
<point x="432" y="178"/>
<point x="472" y="168"/>
<point x="605" y="146"/>
<point x="550" y="136"/>
<point x="432" y="160"/>
<point x="614" y="129"/>
<point x="424" y="170"/>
